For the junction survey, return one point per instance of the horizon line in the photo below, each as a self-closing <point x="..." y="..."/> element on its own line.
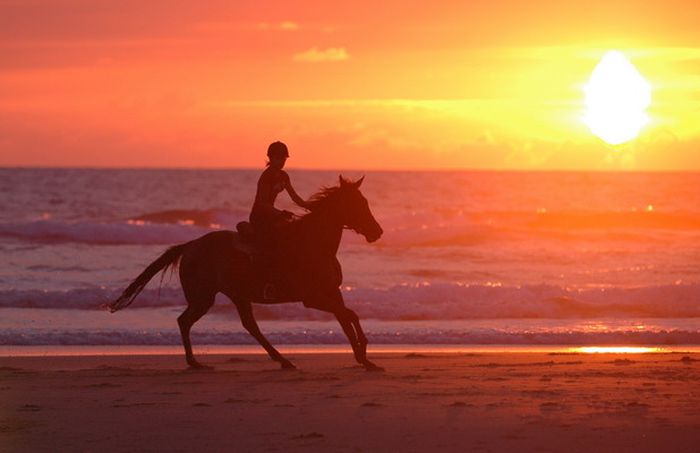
<point x="355" y="169"/>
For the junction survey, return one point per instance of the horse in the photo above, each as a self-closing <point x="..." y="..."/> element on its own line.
<point x="305" y="256"/>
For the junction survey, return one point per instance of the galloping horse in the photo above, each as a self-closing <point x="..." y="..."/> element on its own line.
<point x="224" y="262"/>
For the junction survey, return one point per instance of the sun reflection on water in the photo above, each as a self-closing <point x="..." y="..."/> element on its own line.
<point x="618" y="349"/>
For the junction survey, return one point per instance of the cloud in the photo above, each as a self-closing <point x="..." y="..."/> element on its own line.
<point x="287" y="25"/>
<point x="314" y="55"/>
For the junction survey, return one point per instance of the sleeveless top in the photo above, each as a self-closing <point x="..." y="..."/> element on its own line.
<point x="264" y="216"/>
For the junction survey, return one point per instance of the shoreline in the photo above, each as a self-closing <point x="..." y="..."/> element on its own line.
<point x="8" y="351"/>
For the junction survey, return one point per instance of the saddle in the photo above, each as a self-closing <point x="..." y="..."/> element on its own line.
<point x="246" y="232"/>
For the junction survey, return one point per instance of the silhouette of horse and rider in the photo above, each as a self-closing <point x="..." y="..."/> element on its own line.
<point x="275" y="258"/>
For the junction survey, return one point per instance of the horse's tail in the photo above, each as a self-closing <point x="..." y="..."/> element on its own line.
<point x="171" y="257"/>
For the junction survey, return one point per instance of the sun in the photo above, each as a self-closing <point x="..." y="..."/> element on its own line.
<point x="617" y="97"/>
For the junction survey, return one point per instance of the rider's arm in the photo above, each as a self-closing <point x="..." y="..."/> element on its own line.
<point x="293" y="194"/>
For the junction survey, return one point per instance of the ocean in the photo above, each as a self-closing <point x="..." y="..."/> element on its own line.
<point x="467" y="258"/>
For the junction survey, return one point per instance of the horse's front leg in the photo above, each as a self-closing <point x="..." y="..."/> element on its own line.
<point x="361" y="338"/>
<point x="361" y="353"/>
<point x="350" y="324"/>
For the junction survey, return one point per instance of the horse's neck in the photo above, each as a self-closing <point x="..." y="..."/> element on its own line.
<point x="323" y="230"/>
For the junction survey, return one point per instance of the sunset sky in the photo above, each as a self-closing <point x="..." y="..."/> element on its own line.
<point x="362" y="85"/>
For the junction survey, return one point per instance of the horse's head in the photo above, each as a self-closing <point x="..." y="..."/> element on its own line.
<point x="356" y="213"/>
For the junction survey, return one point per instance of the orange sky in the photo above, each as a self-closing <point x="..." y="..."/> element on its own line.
<point x="401" y="84"/>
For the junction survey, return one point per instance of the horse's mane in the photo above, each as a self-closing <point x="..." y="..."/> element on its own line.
<point x="326" y="195"/>
<point x="321" y="198"/>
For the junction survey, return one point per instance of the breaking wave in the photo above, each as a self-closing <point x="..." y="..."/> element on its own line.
<point x="424" y="301"/>
<point x="454" y="227"/>
<point x="161" y="227"/>
<point x="427" y="228"/>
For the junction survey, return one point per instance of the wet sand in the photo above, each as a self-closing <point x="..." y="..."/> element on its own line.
<point x="429" y="401"/>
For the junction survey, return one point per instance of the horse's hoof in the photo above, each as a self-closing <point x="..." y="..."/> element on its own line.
<point x="372" y="367"/>
<point x="288" y="366"/>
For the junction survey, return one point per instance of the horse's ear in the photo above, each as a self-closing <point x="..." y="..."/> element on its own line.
<point x="342" y="181"/>
<point x="358" y="183"/>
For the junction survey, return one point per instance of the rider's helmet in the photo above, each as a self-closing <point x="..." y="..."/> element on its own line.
<point x="277" y="149"/>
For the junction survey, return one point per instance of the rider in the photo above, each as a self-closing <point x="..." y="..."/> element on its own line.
<point x="264" y="217"/>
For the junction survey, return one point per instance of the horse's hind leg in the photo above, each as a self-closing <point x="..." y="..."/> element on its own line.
<point x="245" y="311"/>
<point x="195" y="310"/>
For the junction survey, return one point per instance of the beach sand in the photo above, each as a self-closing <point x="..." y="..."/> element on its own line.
<point x="422" y="402"/>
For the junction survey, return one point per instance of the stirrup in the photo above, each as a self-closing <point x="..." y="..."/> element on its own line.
<point x="269" y="292"/>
